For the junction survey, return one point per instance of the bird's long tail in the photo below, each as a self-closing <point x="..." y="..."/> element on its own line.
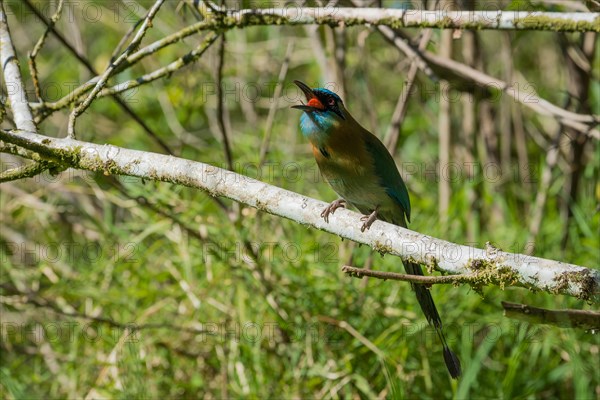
<point x="433" y="317"/>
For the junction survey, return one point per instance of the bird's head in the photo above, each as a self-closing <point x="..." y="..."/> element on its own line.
<point x="323" y="103"/>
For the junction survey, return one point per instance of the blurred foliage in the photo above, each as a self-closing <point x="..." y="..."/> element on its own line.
<point x="236" y="303"/>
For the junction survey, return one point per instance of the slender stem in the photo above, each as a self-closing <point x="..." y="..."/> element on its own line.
<point x="221" y="105"/>
<point x="38" y="46"/>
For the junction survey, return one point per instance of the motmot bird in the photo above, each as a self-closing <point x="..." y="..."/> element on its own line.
<point x="363" y="173"/>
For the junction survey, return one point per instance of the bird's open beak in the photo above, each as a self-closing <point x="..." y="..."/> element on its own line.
<point x="314" y="104"/>
<point x="305" y="89"/>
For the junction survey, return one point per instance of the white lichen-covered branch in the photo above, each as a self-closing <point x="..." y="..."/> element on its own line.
<point x="384" y="19"/>
<point x="492" y="264"/>
<point x="12" y="76"/>
<point x="410" y="18"/>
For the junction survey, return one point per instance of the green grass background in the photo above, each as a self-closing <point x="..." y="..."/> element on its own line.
<point x="218" y="321"/>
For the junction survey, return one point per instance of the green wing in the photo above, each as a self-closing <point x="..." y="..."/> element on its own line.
<point x="387" y="172"/>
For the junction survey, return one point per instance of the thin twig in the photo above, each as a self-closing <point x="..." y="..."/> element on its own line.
<point x="426" y="280"/>
<point x="2" y="108"/>
<point x="212" y="7"/>
<point x="467" y="137"/>
<point x="580" y="122"/>
<point x="164" y="211"/>
<point x="578" y="58"/>
<point x="80" y="109"/>
<point x="504" y="107"/>
<point x="339" y="44"/>
<point x="118" y="49"/>
<point x="57" y="34"/>
<point x="38" y="46"/>
<point x="319" y="53"/>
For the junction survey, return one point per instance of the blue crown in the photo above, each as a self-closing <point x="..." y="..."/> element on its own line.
<point x="326" y="92"/>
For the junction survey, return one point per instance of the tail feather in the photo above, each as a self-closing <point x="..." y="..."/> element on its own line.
<point x="433" y="317"/>
<point x="452" y="363"/>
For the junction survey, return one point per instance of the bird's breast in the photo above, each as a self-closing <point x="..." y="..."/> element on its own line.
<point x="344" y="152"/>
<point x="350" y="176"/>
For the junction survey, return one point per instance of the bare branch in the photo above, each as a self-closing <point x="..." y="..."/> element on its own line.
<point x="562" y="318"/>
<point x="532" y="272"/>
<point x="580" y="122"/>
<point x="584" y="123"/>
<point x="117" y="50"/>
<point x="164" y="71"/>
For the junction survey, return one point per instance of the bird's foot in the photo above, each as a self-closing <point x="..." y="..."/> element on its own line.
<point x="330" y="209"/>
<point x="368" y="220"/>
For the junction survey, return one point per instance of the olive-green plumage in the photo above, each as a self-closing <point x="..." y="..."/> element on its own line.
<point x="363" y="172"/>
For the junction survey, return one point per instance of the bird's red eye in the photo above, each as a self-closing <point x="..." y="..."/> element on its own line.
<point x="331" y="101"/>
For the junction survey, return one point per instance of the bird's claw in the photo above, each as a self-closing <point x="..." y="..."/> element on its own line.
<point x="330" y="209"/>
<point x="368" y="220"/>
